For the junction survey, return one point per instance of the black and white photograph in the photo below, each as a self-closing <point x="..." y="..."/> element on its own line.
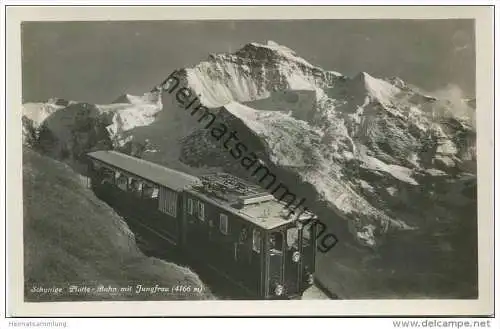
<point x="250" y="160"/>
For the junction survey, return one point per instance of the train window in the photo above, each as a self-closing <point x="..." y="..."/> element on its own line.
<point x="122" y="182"/>
<point x="135" y="186"/>
<point x="243" y="237"/>
<point x="256" y="240"/>
<point x="276" y="242"/>
<point x="201" y="210"/>
<point x="223" y="225"/>
<point x="96" y="165"/>
<point x="190" y="206"/>
<point x="168" y="201"/>
<point x="107" y="175"/>
<point x="150" y="191"/>
<point x="306" y="235"/>
<point x="292" y="238"/>
<point x="172" y="203"/>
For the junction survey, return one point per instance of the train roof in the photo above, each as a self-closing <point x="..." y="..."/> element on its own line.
<point x="247" y="200"/>
<point x="152" y="172"/>
<point x="266" y="215"/>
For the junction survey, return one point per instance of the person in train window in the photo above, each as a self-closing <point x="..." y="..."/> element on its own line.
<point x="136" y="186"/>
<point x="107" y="176"/>
<point x="122" y="182"/>
<point x="275" y="243"/>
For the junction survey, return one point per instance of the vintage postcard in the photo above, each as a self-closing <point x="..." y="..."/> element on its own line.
<point x="167" y="161"/>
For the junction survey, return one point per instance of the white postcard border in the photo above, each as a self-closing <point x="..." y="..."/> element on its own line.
<point x="484" y="87"/>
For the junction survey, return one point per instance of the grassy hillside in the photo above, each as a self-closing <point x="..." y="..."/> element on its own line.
<point x="72" y="238"/>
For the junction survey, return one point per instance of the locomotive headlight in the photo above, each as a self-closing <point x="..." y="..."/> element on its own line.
<point x="296" y="256"/>
<point x="278" y="291"/>
<point x="310" y="279"/>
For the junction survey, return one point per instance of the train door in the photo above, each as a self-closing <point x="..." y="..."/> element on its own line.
<point x="308" y="252"/>
<point x="197" y="228"/>
<point x="243" y="248"/>
<point x="276" y="263"/>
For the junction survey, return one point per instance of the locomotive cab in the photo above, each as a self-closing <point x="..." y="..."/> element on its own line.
<point x="290" y="260"/>
<point x="245" y="232"/>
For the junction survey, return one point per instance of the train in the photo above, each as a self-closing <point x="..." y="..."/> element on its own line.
<point x="230" y="224"/>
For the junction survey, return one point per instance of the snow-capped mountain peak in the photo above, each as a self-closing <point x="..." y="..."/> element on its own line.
<point x="273" y="48"/>
<point x="254" y="72"/>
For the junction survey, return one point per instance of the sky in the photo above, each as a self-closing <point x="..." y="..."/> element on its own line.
<point x="98" y="61"/>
